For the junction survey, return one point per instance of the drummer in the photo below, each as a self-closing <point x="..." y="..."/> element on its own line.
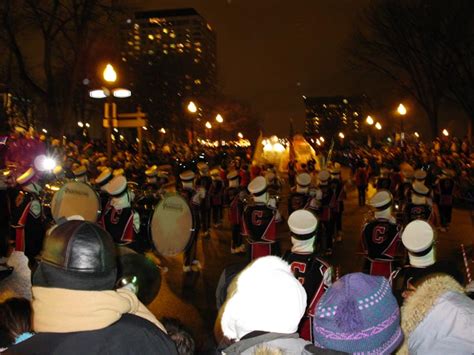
<point x="203" y="180"/>
<point x="26" y="220"/>
<point x="195" y="198"/>
<point x="80" y="174"/>
<point x="118" y="218"/>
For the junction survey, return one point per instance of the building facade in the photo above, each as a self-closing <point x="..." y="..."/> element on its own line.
<point x="327" y="116"/>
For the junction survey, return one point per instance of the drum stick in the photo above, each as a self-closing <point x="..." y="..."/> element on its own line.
<point x="466" y="264"/>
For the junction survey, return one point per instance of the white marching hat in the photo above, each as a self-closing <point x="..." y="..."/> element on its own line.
<point x="420" y="174"/>
<point x="303" y="179"/>
<point x="420" y="189"/>
<point x="152" y="171"/>
<point x="80" y="171"/>
<point x="116" y="186"/>
<point x="418" y="238"/>
<point x="104" y="177"/>
<point x="187" y="175"/>
<point x="302" y="223"/>
<point x="26" y="177"/>
<point x="257" y="186"/>
<point x="215" y="172"/>
<point x="323" y="177"/>
<point x="336" y="169"/>
<point x="234" y="174"/>
<point x="381" y="200"/>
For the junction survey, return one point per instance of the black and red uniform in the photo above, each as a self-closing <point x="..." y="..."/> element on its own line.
<point x="119" y="223"/>
<point x="323" y="212"/>
<point x="337" y="202"/>
<point x="216" y="196"/>
<point x="259" y="225"/>
<point x="315" y="274"/>
<point x="234" y="200"/>
<point x="413" y="212"/>
<point x="26" y="223"/>
<point x="204" y="181"/>
<point x="380" y="240"/>
<point x="445" y="190"/>
<point x="194" y="201"/>
<point x="298" y="201"/>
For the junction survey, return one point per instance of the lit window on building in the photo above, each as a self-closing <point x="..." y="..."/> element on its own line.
<point x="151" y="51"/>
<point x="198" y="50"/>
<point x="173" y="35"/>
<point x="172" y="45"/>
<point x="165" y="30"/>
<point x="188" y="45"/>
<point x="180" y="45"/>
<point x="130" y="43"/>
<point x="197" y="82"/>
<point x="165" y="51"/>
<point x="137" y="48"/>
<point x="151" y="37"/>
<point x="197" y="44"/>
<point x="124" y="59"/>
<point x="196" y="60"/>
<point x="137" y="37"/>
<point x="136" y="26"/>
<point x="209" y="27"/>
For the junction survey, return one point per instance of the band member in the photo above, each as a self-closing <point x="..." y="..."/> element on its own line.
<point x="151" y="180"/>
<point x="80" y="174"/>
<point x="26" y="220"/>
<point x="195" y="198"/>
<point x="163" y="179"/>
<point x="315" y="274"/>
<point x="445" y="190"/>
<point x="419" y="207"/>
<point x="103" y="179"/>
<point x="119" y="218"/>
<point x="300" y="197"/>
<point x="204" y="181"/>
<point x="216" y="196"/>
<point x="384" y="182"/>
<point x="404" y="189"/>
<point x="260" y="218"/>
<point x="324" y="195"/>
<point x="337" y="200"/>
<point x="380" y="236"/>
<point x="234" y="199"/>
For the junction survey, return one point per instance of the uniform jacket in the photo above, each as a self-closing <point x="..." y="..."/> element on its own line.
<point x="438" y="319"/>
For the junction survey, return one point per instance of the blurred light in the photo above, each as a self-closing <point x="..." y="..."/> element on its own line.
<point x="240" y="135"/>
<point x="109" y="74"/>
<point x="44" y="163"/>
<point x="279" y="148"/>
<point x="113" y="137"/>
<point x="122" y="137"/>
<point x="417" y="135"/>
<point x="318" y="142"/>
<point x="88" y="125"/>
<point x="341" y="135"/>
<point x="378" y="126"/>
<point x="162" y="130"/>
<point x="192" y="107"/>
<point x="122" y="93"/>
<point x="80" y="124"/>
<point x="208" y="125"/>
<point x="138" y="140"/>
<point x="369" y="120"/>
<point x="402" y="110"/>
<point x="321" y="139"/>
<point x="445" y="132"/>
<point x="97" y="94"/>
<point x="219" y="118"/>
<point x="151" y="37"/>
<point x="45" y="130"/>
<point x="145" y="128"/>
<point x="356" y="114"/>
<point x="116" y="130"/>
<point x="389" y="139"/>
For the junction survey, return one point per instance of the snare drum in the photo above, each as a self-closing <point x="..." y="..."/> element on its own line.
<point x="76" y="198"/>
<point x="171" y="225"/>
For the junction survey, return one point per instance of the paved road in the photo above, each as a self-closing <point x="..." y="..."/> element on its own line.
<point x="191" y="297"/>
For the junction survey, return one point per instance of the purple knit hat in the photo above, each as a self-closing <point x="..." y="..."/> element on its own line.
<point x="358" y="314"/>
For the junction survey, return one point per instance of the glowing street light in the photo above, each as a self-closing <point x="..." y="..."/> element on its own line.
<point x="445" y="132"/>
<point x="88" y="125"/>
<point x="321" y="139"/>
<point x="45" y="130"/>
<point x="369" y="120"/>
<point x="192" y="107"/>
<point x="122" y="93"/>
<point x="109" y="74"/>
<point x="402" y="110"/>
<point x="162" y="130"/>
<point x="240" y="135"/>
<point x="219" y="118"/>
<point x="80" y="124"/>
<point x="341" y="135"/>
<point x="416" y="134"/>
<point x="378" y="126"/>
<point x="208" y="125"/>
<point x="97" y="94"/>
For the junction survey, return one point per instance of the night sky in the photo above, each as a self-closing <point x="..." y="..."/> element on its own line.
<point x="270" y="53"/>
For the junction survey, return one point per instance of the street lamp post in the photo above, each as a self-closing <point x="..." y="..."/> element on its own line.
<point x="402" y="111"/>
<point x="192" y="108"/>
<point x="219" y="120"/>
<point x="370" y="121"/>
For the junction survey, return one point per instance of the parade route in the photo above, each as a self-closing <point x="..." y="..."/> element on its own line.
<point x="191" y="297"/>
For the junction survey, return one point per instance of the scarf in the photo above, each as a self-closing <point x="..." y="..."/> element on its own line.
<point x="57" y="310"/>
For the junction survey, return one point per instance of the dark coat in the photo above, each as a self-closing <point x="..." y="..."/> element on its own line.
<point x="130" y="335"/>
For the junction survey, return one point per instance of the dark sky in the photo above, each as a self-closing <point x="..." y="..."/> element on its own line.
<point x="270" y="53"/>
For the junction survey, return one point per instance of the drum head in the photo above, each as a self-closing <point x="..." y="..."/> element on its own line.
<point x="75" y="198"/>
<point x="139" y="270"/>
<point x="172" y="225"/>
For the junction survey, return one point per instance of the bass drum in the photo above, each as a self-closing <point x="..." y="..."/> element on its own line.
<point x="145" y="205"/>
<point x="140" y="271"/>
<point x="76" y="198"/>
<point x="172" y="225"/>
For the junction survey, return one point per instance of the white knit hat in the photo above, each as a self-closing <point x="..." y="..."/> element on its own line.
<point x="266" y="297"/>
